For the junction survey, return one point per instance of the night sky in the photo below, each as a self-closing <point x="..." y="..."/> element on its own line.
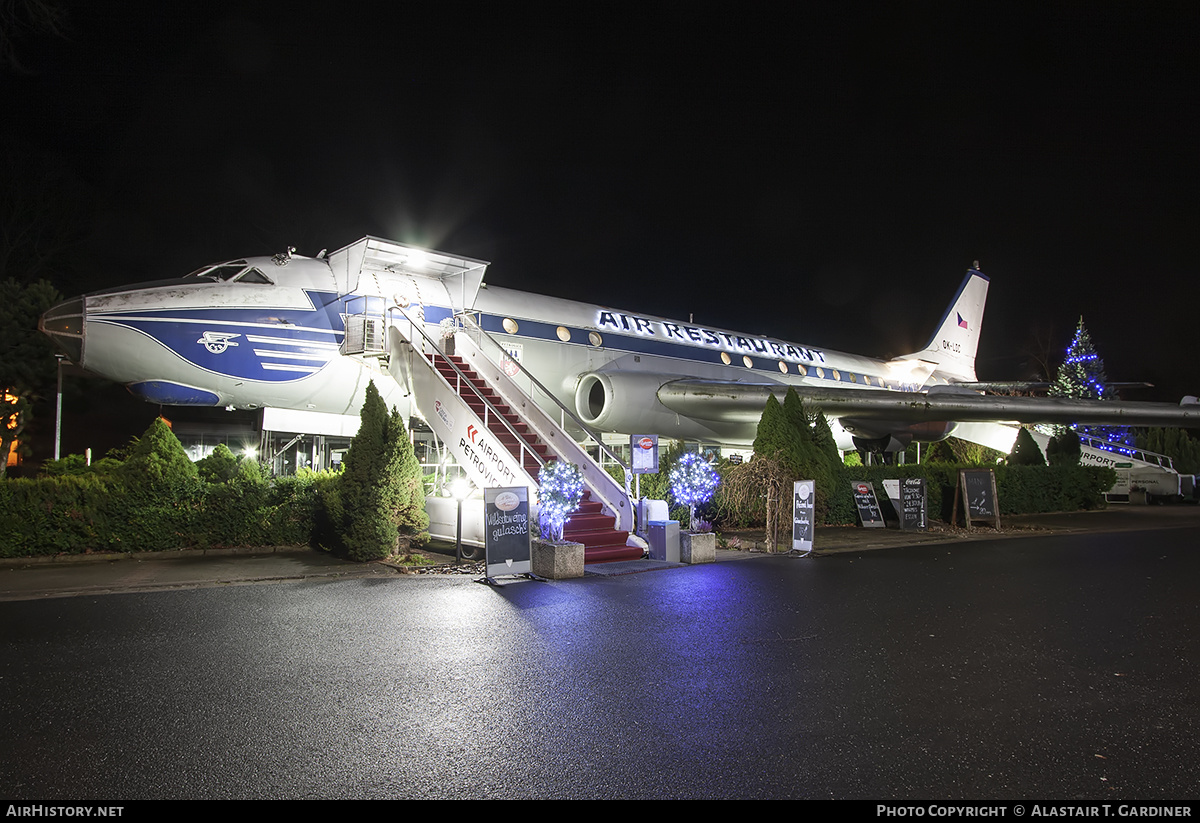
<point x="820" y="175"/>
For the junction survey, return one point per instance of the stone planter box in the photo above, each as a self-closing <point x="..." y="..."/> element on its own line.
<point x="697" y="547"/>
<point x="556" y="561"/>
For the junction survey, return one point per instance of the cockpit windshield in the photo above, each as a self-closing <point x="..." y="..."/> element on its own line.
<point x="235" y="270"/>
<point x="253" y="275"/>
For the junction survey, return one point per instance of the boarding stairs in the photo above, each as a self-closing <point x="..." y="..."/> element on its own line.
<point x="501" y="437"/>
<point x="1137" y="469"/>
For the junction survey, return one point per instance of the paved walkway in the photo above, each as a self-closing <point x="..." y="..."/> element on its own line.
<point x="95" y="574"/>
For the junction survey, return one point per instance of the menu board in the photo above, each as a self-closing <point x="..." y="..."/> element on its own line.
<point x="913" y="503"/>
<point x="643" y="452"/>
<point x="867" y="504"/>
<point x="978" y="490"/>
<point x="506" y="519"/>
<point x="804" y="500"/>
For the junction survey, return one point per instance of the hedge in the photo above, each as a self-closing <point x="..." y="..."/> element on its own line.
<point x="76" y="514"/>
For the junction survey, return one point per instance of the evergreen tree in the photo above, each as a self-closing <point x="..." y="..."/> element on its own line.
<point x="220" y="466"/>
<point x="158" y="461"/>
<point x="776" y="436"/>
<point x="823" y="437"/>
<point x="381" y="491"/>
<point x="1064" y="449"/>
<point x="1183" y="450"/>
<point x="790" y="435"/>
<point x="1026" y="451"/>
<point x="1081" y="376"/>
<point x="27" y="365"/>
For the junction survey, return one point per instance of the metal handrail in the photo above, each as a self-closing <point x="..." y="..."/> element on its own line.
<point x="460" y="380"/>
<point x="1146" y="456"/>
<point x="479" y="335"/>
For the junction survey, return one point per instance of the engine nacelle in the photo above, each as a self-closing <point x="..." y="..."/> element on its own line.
<point x="628" y="402"/>
<point x="891" y="435"/>
<point x="885" y="445"/>
<point x="622" y="401"/>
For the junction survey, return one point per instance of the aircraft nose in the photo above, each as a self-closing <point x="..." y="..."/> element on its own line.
<point x="63" y="322"/>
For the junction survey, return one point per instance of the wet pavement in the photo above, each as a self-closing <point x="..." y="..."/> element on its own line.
<point x="1059" y="661"/>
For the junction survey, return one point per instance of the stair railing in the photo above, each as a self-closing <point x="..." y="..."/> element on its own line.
<point x="431" y="352"/>
<point x="616" y="499"/>
<point x="1144" y="455"/>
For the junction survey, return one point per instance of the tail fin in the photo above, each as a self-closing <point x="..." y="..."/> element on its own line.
<point x="953" y="345"/>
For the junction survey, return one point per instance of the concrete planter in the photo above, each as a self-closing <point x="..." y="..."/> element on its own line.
<point x="697" y="547"/>
<point x="556" y="561"/>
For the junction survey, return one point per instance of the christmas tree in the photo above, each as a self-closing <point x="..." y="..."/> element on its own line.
<point x="1081" y="376"/>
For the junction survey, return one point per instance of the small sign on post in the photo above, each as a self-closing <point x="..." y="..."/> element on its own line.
<point x="643" y="450"/>
<point x="643" y="459"/>
<point x="506" y="531"/>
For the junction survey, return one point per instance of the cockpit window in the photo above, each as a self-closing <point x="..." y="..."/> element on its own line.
<point x="219" y="273"/>
<point x="253" y="275"/>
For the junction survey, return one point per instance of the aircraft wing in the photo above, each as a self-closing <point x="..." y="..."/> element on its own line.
<point x="718" y="400"/>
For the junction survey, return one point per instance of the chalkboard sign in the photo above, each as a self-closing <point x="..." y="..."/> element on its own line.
<point x="978" y="490"/>
<point x="506" y="541"/>
<point x="913" y="503"/>
<point x="867" y="504"/>
<point x="803" y="502"/>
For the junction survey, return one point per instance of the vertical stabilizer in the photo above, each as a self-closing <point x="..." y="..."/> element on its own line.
<point x="953" y="345"/>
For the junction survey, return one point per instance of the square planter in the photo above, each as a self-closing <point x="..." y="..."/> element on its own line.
<point x="697" y="547"/>
<point x="556" y="561"/>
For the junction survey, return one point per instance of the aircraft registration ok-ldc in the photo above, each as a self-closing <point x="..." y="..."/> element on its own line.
<point x="274" y="331"/>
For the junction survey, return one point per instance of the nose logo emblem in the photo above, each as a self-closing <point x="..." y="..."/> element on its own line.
<point x="217" y="342"/>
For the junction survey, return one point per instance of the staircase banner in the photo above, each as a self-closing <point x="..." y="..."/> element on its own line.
<point x="485" y="460"/>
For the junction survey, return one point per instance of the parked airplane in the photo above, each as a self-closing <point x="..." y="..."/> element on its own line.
<point x="300" y="333"/>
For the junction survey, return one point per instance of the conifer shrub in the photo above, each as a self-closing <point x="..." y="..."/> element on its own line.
<point x="381" y="492"/>
<point x="158" y="460"/>
<point x="1064" y="449"/>
<point x="1025" y="451"/>
<point x="1183" y="450"/>
<point x="158" y="490"/>
<point x="791" y="444"/>
<point x="219" y="467"/>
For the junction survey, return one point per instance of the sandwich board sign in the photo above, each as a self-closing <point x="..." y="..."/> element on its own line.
<point x="804" y="500"/>
<point x="977" y="490"/>
<point x="506" y="530"/>
<point x="910" y="501"/>
<point x="868" y="506"/>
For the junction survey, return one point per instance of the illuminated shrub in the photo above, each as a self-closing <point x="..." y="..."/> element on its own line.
<point x="693" y="483"/>
<point x="560" y="490"/>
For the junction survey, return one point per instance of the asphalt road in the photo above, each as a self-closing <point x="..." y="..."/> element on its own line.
<point x="1057" y="667"/>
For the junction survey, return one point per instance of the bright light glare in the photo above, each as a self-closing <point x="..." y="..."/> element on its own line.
<point x="460" y="487"/>
<point x="417" y="259"/>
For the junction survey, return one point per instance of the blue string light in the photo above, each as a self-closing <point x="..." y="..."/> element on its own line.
<point x="1082" y="376"/>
